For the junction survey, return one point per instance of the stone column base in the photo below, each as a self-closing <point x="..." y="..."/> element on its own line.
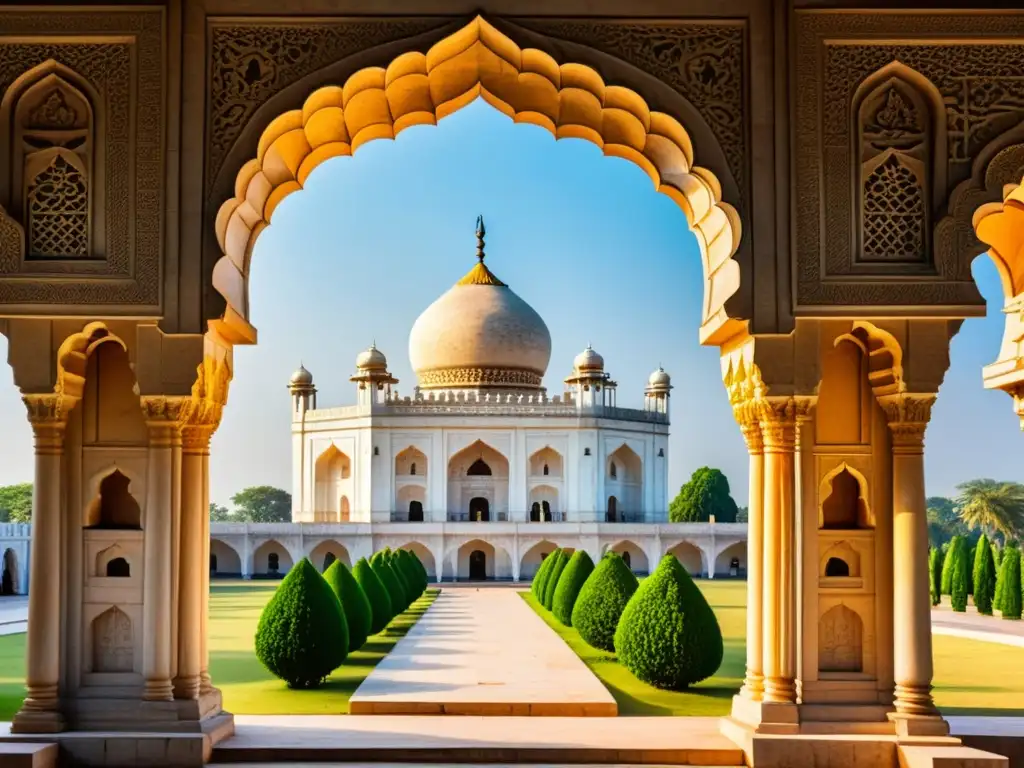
<point x="37" y="721"/>
<point x="918" y="725"/>
<point x="766" y="716"/>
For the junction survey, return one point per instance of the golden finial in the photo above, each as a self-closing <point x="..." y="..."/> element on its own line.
<point x="480" y="274"/>
<point x="480" y="232"/>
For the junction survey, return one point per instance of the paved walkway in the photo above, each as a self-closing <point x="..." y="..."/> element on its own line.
<point x="13" y="615"/>
<point x="481" y="652"/>
<point x="973" y="626"/>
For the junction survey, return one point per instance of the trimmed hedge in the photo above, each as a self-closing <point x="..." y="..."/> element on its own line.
<point x="302" y="635"/>
<point x="668" y="635"/>
<point x="380" y="601"/>
<point x="574" y="576"/>
<point x="935" y="574"/>
<point x="947" y="567"/>
<point x="959" y="572"/>
<point x="553" y="576"/>
<point x="601" y="601"/>
<point x="409" y="591"/>
<point x="997" y="599"/>
<point x="540" y="578"/>
<point x="380" y="566"/>
<point x="1012" y="587"/>
<point x="354" y="602"/>
<point x="984" y="577"/>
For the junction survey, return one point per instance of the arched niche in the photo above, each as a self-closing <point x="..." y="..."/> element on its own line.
<point x="689" y="556"/>
<point x="844" y="503"/>
<point x="900" y="166"/>
<point x="56" y="168"/>
<point x="732" y="558"/>
<point x="624" y="475"/>
<point x="546" y="499"/>
<point x="111" y="411"/>
<point x="225" y="562"/>
<point x="332" y="474"/>
<point x="113" y="561"/>
<point x="633" y="555"/>
<point x="425" y="556"/>
<point x="533" y="558"/>
<point x="271" y="560"/>
<point x="326" y="552"/>
<point x="114" y="506"/>
<point x="113" y="647"/>
<point x="411" y="462"/>
<point x="840" y="641"/>
<point x="547" y="462"/>
<point x="842" y="560"/>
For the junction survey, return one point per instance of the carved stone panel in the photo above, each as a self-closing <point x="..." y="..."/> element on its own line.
<point x="869" y="229"/>
<point x="73" y="252"/>
<point x="840" y="641"/>
<point x="113" y="649"/>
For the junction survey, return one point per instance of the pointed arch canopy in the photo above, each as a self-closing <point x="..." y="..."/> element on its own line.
<point x="528" y="85"/>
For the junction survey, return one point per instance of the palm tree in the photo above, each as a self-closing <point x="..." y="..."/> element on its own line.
<point x="992" y="506"/>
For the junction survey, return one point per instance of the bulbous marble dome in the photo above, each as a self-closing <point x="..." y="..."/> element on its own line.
<point x="371" y="358"/>
<point x="588" y="360"/>
<point x="480" y="334"/>
<point x="301" y="376"/>
<point x="659" y="378"/>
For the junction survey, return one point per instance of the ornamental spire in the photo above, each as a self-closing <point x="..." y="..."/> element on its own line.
<point x="480" y="232"/>
<point x="480" y="274"/>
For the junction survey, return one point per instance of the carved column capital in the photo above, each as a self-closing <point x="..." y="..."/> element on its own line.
<point x="195" y="438"/>
<point x="778" y="424"/>
<point x="747" y="415"/>
<point x="908" y="416"/>
<point x="48" y="415"/>
<point x="163" y="417"/>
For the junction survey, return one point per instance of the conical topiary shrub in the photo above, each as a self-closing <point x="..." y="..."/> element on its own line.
<point x="302" y="635"/>
<point x="408" y="590"/>
<point x="601" y="601"/>
<point x="540" y="578"/>
<point x="935" y="574"/>
<point x="574" y="576"/>
<point x="354" y="602"/>
<point x="997" y="599"/>
<point x="553" y="576"/>
<point x="424" y="575"/>
<point x="380" y="601"/>
<point x="970" y="567"/>
<point x="947" y="567"/>
<point x="413" y="573"/>
<point x="984" y="577"/>
<point x="380" y="566"/>
<point x="959" y="571"/>
<point x="1012" y="587"/>
<point x="668" y="635"/>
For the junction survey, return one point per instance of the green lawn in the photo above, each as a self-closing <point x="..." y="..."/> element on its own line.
<point x="971" y="677"/>
<point x="247" y="686"/>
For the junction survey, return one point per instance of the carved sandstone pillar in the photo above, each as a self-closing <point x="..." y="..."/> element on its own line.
<point x="40" y="712"/>
<point x="158" y="549"/>
<point x="195" y="560"/>
<point x="753" y="681"/>
<point x="778" y="427"/>
<point x="912" y="630"/>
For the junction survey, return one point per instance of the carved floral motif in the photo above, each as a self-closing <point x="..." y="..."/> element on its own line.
<point x="446" y="378"/>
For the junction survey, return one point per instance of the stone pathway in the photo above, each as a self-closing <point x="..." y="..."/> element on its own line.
<point x="13" y="615"/>
<point x="481" y="652"/>
<point x="973" y="626"/>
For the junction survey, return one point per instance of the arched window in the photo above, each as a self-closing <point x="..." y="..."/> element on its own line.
<point x="412" y="468"/>
<point x="118" y="568"/>
<point x="844" y="508"/>
<point x="546" y="511"/>
<point x="273" y="562"/>
<point x="479" y="468"/>
<point x="546" y="469"/>
<point x="837" y="567"/>
<point x="613" y="509"/>
<point x="415" y="511"/>
<point x="114" y="507"/>
<point x="613" y="470"/>
<point x="535" y="512"/>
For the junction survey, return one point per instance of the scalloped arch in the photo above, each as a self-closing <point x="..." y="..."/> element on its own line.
<point x="528" y="85"/>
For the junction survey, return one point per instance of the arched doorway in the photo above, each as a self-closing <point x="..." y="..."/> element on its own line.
<point x="535" y="512"/>
<point x="613" y="509"/>
<point x="479" y="510"/>
<point x="477" y="565"/>
<point x="415" y="511"/>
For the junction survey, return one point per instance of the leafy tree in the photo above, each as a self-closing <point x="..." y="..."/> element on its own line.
<point x="263" y="504"/>
<point x="219" y="514"/>
<point x="376" y="593"/>
<point x="302" y="635"/>
<point x="947" y="566"/>
<point x="959" y="570"/>
<point x="579" y="567"/>
<point x="705" y="494"/>
<point x="16" y="503"/>
<point x="1011" y="595"/>
<point x="600" y="603"/>
<point x="984" y="577"/>
<point x="354" y="602"/>
<point x="743" y="515"/>
<point x="994" y="507"/>
<point x="668" y="635"/>
<point x="943" y="521"/>
<point x="935" y="559"/>
<point x="553" y="576"/>
<point x="997" y="600"/>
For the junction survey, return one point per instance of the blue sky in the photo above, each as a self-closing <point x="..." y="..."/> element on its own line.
<point x="585" y="239"/>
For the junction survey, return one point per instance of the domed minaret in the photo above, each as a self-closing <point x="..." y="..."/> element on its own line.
<point x="659" y="384"/>
<point x="303" y="392"/>
<point x="373" y="377"/>
<point x="588" y="383"/>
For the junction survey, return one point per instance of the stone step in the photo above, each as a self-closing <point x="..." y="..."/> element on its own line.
<point x="841" y="713"/>
<point x="949" y="757"/>
<point x="22" y="754"/>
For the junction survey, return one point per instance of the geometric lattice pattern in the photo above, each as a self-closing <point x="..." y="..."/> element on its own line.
<point x="894" y="214"/>
<point x="58" y="212"/>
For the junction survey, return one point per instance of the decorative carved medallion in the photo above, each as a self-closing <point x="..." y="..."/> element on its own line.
<point x="980" y="96"/>
<point x="456" y="378"/>
<point x="704" y="61"/>
<point x="252" y="62"/>
<point x="122" y="61"/>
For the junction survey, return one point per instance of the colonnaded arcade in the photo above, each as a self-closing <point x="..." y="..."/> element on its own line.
<point x="839" y="169"/>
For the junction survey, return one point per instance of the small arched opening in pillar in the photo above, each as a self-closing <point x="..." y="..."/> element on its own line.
<point x="113" y="648"/>
<point x="836" y="567"/>
<point x="840" y="560"/>
<point x="840" y="640"/>
<point x="114" y="506"/>
<point x="844" y="507"/>
<point x="118" y="568"/>
<point x="9" y="577"/>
